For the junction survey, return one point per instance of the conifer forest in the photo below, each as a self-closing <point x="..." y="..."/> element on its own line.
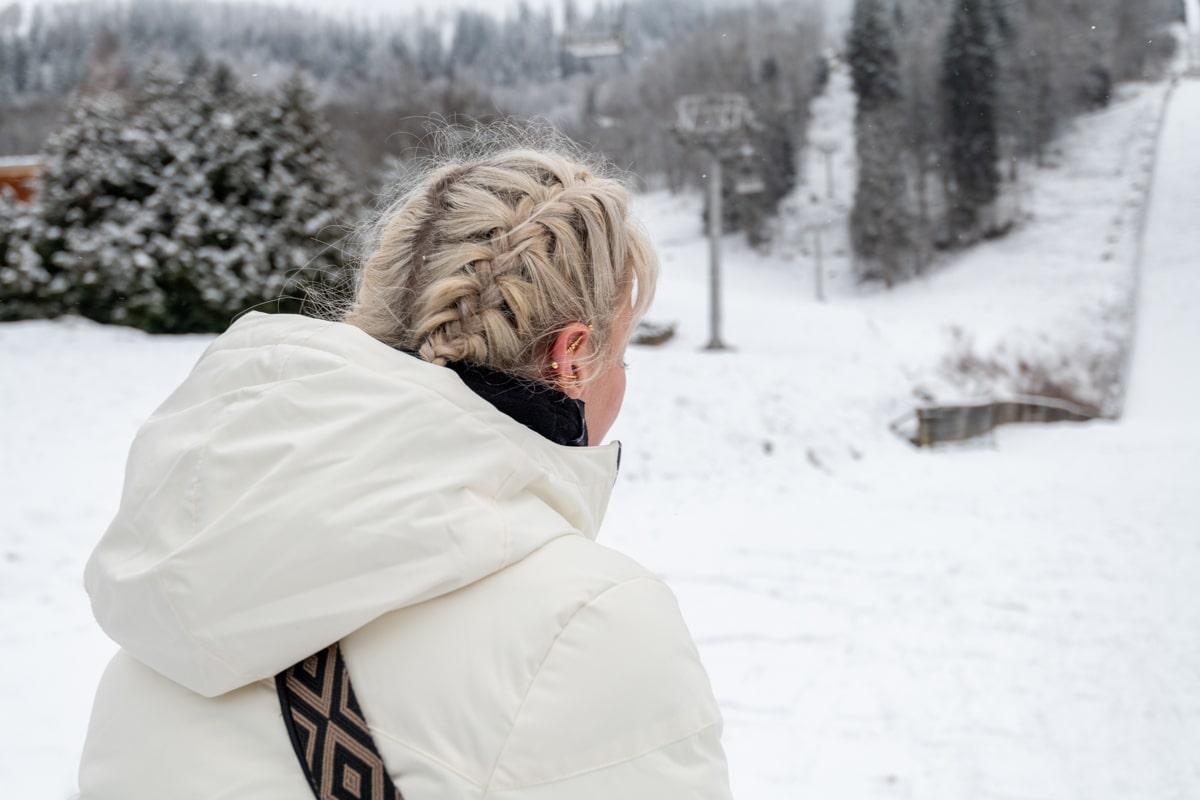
<point x="201" y="158"/>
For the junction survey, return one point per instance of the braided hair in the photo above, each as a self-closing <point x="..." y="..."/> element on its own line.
<point x="485" y="259"/>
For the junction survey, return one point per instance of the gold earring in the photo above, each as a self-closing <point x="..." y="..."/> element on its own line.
<point x="571" y="347"/>
<point x="554" y="365"/>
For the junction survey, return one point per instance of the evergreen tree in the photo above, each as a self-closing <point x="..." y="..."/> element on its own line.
<point x="98" y="172"/>
<point x="476" y="42"/>
<point x="969" y="75"/>
<point x="8" y="68"/>
<point x="871" y="53"/>
<point x="774" y="160"/>
<point x="23" y="279"/>
<point x="19" y="65"/>
<point x="179" y="207"/>
<point x="431" y="55"/>
<point x="529" y="46"/>
<point x="881" y="225"/>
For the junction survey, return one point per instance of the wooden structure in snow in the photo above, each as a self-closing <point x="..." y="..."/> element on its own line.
<point x="595" y="40"/>
<point x="935" y="425"/>
<point x="20" y="174"/>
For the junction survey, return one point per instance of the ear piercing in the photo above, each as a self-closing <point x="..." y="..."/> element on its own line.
<point x="572" y="347"/>
<point x="578" y="339"/>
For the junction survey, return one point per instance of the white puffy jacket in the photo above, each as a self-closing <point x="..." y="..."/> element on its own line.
<point x="307" y="484"/>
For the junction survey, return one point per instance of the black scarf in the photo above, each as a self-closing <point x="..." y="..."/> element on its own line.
<point x="541" y="408"/>
<point x="537" y="406"/>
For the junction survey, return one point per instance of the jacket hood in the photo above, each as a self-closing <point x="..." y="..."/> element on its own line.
<point x="306" y="479"/>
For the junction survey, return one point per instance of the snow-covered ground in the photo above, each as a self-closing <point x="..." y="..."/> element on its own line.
<point x="1052" y="297"/>
<point x="1013" y="619"/>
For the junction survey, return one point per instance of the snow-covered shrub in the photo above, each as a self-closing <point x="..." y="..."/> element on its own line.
<point x="178" y="206"/>
<point x="24" y="282"/>
<point x="1086" y="372"/>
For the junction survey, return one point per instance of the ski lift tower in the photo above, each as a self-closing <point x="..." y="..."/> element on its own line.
<point x="718" y="124"/>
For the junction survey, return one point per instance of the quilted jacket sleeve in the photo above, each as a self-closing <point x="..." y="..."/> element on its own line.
<point x="620" y="707"/>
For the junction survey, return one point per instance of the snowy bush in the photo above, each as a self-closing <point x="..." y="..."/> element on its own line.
<point x="179" y="206"/>
<point x="23" y="279"/>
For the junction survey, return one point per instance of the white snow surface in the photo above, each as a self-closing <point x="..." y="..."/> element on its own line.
<point x="1014" y="619"/>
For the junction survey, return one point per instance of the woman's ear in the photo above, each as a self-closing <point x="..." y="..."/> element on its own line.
<point x="567" y="369"/>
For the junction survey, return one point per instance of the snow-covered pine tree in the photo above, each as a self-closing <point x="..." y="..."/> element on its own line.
<point x="99" y="170"/>
<point x="969" y="74"/>
<point x="177" y="208"/>
<point x="8" y="67"/>
<point x="213" y="256"/>
<point x="871" y="52"/>
<point x="310" y="202"/>
<point x="23" y="279"/>
<point x="475" y="45"/>
<point x="881" y="224"/>
<point x="431" y="54"/>
<point x="529" y="46"/>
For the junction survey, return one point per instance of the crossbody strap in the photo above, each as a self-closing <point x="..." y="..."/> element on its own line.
<point x="328" y="731"/>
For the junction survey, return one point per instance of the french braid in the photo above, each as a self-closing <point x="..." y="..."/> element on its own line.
<point x="486" y="259"/>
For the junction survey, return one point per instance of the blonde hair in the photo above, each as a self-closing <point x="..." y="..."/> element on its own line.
<point x="486" y="256"/>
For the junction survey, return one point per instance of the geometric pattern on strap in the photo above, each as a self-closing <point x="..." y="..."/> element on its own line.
<point x="328" y="731"/>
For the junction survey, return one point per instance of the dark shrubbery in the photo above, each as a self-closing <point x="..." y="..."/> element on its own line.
<point x="177" y="205"/>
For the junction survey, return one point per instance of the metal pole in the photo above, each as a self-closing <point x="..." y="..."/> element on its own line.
<point x="819" y="269"/>
<point x="714" y="252"/>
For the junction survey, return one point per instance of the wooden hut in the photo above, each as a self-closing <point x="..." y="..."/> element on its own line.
<point x="20" y="173"/>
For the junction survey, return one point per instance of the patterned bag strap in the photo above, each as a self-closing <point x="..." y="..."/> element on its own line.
<point x="328" y="730"/>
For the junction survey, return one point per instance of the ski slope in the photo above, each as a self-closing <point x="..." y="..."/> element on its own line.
<point x="1014" y="619"/>
<point x="1165" y="382"/>
<point x="1018" y="619"/>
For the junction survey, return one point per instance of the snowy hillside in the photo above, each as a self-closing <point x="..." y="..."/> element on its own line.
<point x="1013" y="619"/>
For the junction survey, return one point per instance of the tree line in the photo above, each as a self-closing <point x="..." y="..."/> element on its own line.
<point x="954" y="96"/>
<point x="202" y="159"/>
<point x="379" y="83"/>
<point x="190" y="172"/>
